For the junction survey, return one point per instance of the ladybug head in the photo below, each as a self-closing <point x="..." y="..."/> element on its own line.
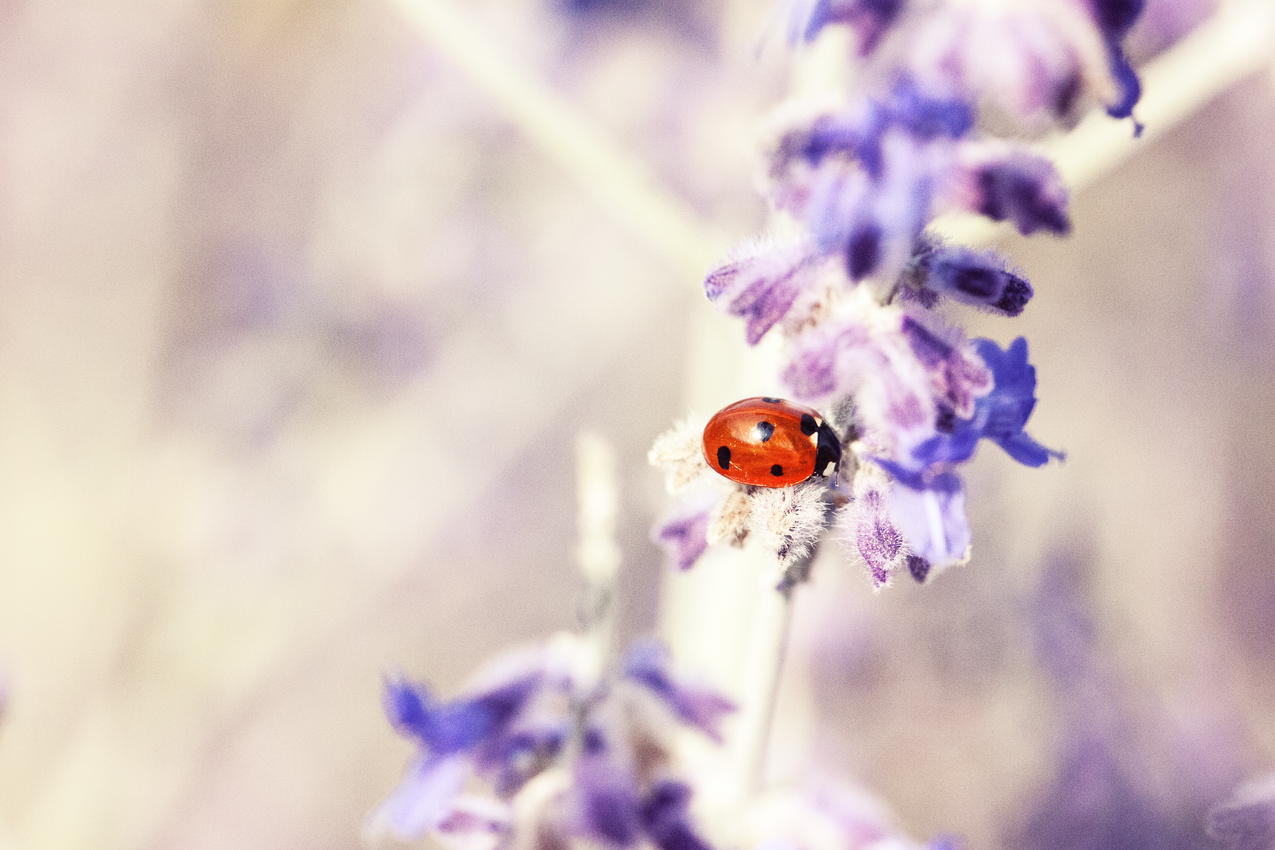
<point x="829" y="449"/>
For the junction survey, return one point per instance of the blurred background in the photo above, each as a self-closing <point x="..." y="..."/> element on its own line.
<point x="302" y="305"/>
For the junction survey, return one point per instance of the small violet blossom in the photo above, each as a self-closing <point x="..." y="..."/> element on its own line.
<point x="537" y="720"/>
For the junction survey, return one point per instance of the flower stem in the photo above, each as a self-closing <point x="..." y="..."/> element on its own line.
<point x="763" y="667"/>
<point x="597" y="554"/>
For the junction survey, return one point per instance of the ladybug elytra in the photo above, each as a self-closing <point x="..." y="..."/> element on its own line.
<point x="769" y="442"/>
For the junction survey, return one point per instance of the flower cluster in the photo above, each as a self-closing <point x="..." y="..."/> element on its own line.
<point x="861" y="294"/>
<point x="568" y="754"/>
<point x="572" y="758"/>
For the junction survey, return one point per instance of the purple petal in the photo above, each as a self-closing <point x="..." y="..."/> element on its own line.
<point x="1116" y="17"/>
<point x="462" y="724"/>
<point x="1004" y="411"/>
<point x="879" y="543"/>
<point x="607" y="801"/>
<point x="1025" y="189"/>
<point x="761" y="286"/>
<point x="978" y="278"/>
<point x="666" y="818"/>
<point x="823" y="360"/>
<point x="684" y="537"/>
<point x="958" y="377"/>
<point x="647" y="663"/>
<point x="919" y="568"/>
<point x="933" y="520"/>
<point x="512" y="759"/>
<point x="1000" y="416"/>
<point x="423" y="800"/>
<point x="1130" y="88"/>
<point x="927" y="118"/>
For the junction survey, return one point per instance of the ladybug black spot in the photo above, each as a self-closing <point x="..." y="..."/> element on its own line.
<point x="770" y="400"/>
<point x="776" y="470"/>
<point x="808" y="424"/>
<point x="723" y="457"/>
<point x="765" y="430"/>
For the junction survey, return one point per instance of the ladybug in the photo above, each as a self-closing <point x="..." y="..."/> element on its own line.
<point x="769" y="442"/>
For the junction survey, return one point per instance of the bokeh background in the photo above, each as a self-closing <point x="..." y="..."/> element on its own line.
<point x="301" y="311"/>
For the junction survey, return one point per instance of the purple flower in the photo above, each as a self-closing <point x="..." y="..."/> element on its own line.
<point x="868" y="528"/>
<point x="862" y="179"/>
<point x="606" y="796"/>
<point x="424" y="798"/>
<point x="1130" y="88"/>
<point x="1114" y="19"/>
<point x="647" y="663"/>
<point x="879" y="543"/>
<point x="978" y="278"/>
<point x="499" y="731"/>
<point x="665" y="817"/>
<point x="1037" y="62"/>
<point x="460" y="725"/>
<point x="1008" y="182"/>
<point x="999" y="416"/>
<point x="684" y="535"/>
<point x="902" y="374"/>
<point x="933" y="521"/>
<point x="956" y="375"/>
<point x="762" y="284"/>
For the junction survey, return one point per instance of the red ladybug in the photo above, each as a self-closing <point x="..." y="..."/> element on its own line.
<point x="769" y="442"/>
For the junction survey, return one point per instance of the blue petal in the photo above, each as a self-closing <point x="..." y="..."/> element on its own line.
<point x="1022" y="448"/>
<point x="458" y="725"/>
<point x="1130" y="88"/>
<point x="928" y="118"/>
<point x="1001" y="414"/>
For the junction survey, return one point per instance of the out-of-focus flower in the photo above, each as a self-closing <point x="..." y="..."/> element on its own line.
<point x="1246" y="821"/>
<point x="540" y="713"/>
<point x="684" y="535"/>
<point x="1007" y="182"/>
<point x="648" y="664"/>
<point x="1039" y="62"/>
